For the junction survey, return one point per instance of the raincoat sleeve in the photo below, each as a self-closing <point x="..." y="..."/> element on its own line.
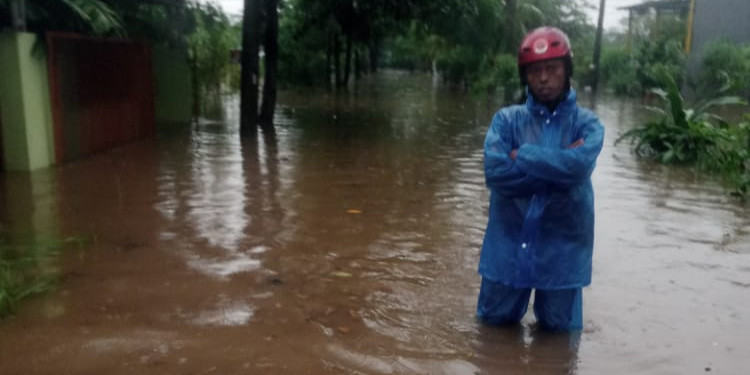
<point x="565" y="167"/>
<point x="501" y="172"/>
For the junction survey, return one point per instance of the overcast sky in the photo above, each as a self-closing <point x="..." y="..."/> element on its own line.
<point x="612" y="15"/>
<point x="230" y="6"/>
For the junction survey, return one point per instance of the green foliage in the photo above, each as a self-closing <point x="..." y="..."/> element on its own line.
<point x="618" y="71"/>
<point x="741" y="180"/>
<point x="470" y="44"/>
<point x="308" y="29"/>
<point x="463" y="39"/>
<point x="28" y="270"/>
<point x="93" y="17"/>
<point x="162" y="23"/>
<point x="667" y="25"/>
<point x="457" y="62"/>
<point x="457" y="51"/>
<point x="209" y="48"/>
<point x="415" y="49"/>
<point x="477" y="39"/>
<point x="654" y="58"/>
<point x="726" y="64"/>
<point x="96" y="15"/>
<point x="302" y="48"/>
<point x="681" y="135"/>
<point x="730" y="158"/>
<point x="635" y="73"/>
<point x="632" y="64"/>
<point x="498" y="72"/>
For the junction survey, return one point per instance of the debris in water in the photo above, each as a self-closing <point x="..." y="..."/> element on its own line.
<point x="342" y="274"/>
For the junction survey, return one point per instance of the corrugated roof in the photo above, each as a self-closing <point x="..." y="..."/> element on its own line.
<point x="658" y="5"/>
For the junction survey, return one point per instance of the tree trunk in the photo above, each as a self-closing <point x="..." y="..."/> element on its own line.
<point x="357" y="65"/>
<point x="249" y="61"/>
<point x="271" y="47"/>
<point x="336" y="60"/>
<point x="373" y="56"/>
<point x="435" y="73"/>
<point x="598" y="47"/>
<point x="348" y="60"/>
<point x="511" y="23"/>
<point x="329" y="52"/>
<point x="196" y="85"/>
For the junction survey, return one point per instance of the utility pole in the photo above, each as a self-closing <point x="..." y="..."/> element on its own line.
<point x="511" y="41"/>
<point x="249" y="74"/>
<point x="598" y="47"/>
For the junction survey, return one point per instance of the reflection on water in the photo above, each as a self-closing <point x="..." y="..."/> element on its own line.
<point x="228" y="313"/>
<point x="350" y="361"/>
<point x="346" y="242"/>
<point x="527" y="350"/>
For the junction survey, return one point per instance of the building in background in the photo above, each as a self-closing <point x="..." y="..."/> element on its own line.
<point x="705" y="21"/>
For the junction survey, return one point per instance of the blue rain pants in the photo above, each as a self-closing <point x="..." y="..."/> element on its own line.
<point x="555" y="309"/>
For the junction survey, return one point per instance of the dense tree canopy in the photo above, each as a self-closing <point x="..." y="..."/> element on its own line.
<point x="465" y="40"/>
<point x="329" y="41"/>
<point x="161" y="21"/>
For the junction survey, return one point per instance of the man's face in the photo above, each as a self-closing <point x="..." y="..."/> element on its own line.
<point x="546" y="79"/>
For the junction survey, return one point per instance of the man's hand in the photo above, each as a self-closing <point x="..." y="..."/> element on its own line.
<point x="513" y="154"/>
<point x="576" y="144"/>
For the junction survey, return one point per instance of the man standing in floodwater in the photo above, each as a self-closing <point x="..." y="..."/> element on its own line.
<point x="538" y="160"/>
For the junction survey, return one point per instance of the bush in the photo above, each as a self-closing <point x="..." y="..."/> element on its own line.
<point x="302" y="66"/>
<point x="497" y="72"/>
<point x="694" y="136"/>
<point x="654" y="58"/>
<point x="458" y="64"/>
<point x="209" y="46"/>
<point x="726" y="63"/>
<point x="618" y="71"/>
<point x="635" y="73"/>
<point x="28" y="270"/>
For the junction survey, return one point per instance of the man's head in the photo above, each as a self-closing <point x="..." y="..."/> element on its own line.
<point x="545" y="63"/>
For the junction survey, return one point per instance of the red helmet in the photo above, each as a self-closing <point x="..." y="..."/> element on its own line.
<point x="543" y="43"/>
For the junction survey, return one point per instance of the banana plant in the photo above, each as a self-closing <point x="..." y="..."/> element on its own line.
<point x="87" y="16"/>
<point x="696" y="137"/>
<point x="679" y="134"/>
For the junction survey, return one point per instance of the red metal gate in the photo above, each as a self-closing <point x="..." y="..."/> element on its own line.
<point x="101" y="92"/>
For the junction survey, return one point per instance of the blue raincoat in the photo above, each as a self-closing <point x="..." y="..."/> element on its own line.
<point x="540" y="232"/>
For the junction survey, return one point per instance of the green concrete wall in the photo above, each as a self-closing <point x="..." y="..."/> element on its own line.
<point x="173" y="99"/>
<point x="31" y="203"/>
<point x="28" y="139"/>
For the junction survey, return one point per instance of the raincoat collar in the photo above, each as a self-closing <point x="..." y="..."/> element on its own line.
<point x="565" y="105"/>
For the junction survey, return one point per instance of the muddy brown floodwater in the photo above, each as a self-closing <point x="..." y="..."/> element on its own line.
<point x="348" y="244"/>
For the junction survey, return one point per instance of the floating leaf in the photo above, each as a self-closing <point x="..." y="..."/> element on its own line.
<point x="354" y="211"/>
